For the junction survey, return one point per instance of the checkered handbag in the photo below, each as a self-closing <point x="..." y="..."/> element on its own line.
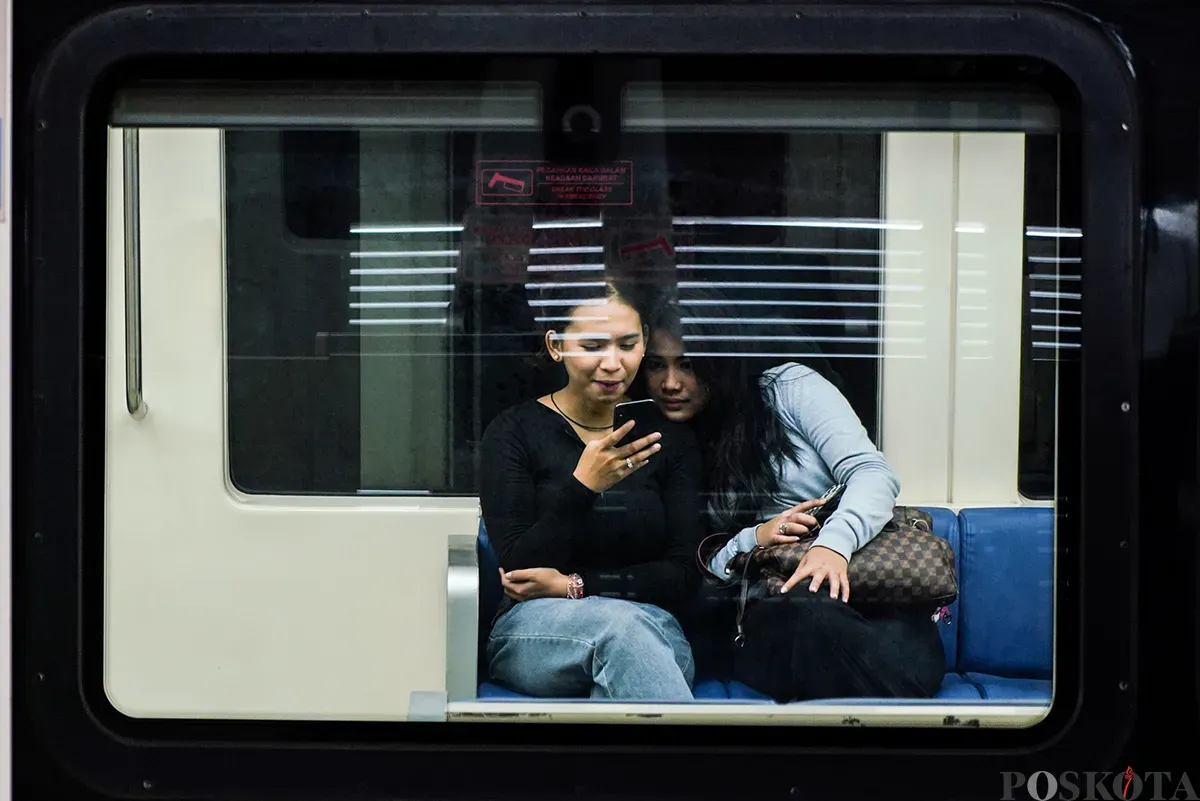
<point x="905" y="564"/>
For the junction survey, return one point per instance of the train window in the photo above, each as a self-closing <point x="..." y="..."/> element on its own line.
<point x="364" y="311"/>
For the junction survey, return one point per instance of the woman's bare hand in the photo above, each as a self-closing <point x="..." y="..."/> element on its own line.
<point x="823" y="563"/>
<point x="534" y="582"/>
<point x="603" y="463"/>
<point x="789" y="526"/>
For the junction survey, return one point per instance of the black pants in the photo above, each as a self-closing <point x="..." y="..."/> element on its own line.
<point x="805" y="645"/>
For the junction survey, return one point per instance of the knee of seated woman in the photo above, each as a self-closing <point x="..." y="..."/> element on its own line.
<point x="621" y="624"/>
<point x="601" y="612"/>
<point x="637" y="627"/>
<point x="623" y="613"/>
<point x="594" y="620"/>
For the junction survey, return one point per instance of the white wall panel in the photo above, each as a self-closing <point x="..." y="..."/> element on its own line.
<point x="918" y="207"/>
<point x="222" y="605"/>
<point x="989" y="251"/>
<point x="954" y="205"/>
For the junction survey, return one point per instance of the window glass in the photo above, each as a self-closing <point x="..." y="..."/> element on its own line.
<point x="903" y="264"/>
<point x="377" y="314"/>
<point x="380" y="317"/>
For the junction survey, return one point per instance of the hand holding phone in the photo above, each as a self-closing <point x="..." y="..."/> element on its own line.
<point x="829" y="504"/>
<point x="605" y="461"/>
<point x="802" y="520"/>
<point x="645" y="415"/>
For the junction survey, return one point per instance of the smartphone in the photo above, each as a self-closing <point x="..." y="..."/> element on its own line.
<point x="644" y="413"/>
<point x="831" y="497"/>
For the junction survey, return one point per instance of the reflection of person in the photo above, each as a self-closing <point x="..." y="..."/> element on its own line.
<point x="595" y="539"/>
<point x="774" y="440"/>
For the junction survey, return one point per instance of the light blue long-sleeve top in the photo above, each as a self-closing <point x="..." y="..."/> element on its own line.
<point x="834" y="449"/>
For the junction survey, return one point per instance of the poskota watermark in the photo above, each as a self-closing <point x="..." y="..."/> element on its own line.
<point x="1093" y="785"/>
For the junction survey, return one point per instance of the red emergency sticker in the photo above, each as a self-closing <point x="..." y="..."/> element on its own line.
<point x="643" y="247"/>
<point x="542" y="183"/>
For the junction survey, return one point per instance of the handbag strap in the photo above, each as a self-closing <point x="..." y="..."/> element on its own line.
<point x="703" y="564"/>
<point x="739" y="639"/>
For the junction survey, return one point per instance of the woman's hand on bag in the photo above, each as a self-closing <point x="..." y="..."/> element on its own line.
<point x="789" y="526"/>
<point x="534" y="582"/>
<point x="603" y="464"/>
<point x="822" y="563"/>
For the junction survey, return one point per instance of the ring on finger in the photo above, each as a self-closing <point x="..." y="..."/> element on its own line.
<point x="783" y="529"/>
<point x="629" y="462"/>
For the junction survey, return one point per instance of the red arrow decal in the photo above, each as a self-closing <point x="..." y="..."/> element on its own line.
<point x="661" y="242"/>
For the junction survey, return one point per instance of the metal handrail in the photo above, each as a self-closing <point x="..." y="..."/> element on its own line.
<point x="133" y="279"/>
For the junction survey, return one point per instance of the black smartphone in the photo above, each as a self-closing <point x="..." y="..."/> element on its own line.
<point x="644" y="413"/>
<point x="831" y="497"/>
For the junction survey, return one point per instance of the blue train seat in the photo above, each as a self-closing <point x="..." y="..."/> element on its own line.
<point x="998" y="640"/>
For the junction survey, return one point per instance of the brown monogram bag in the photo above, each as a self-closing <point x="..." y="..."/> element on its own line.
<point x="905" y="564"/>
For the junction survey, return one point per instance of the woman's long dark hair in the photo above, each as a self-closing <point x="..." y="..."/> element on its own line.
<point x="745" y="441"/>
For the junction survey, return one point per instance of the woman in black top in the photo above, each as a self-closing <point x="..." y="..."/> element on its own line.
<point x="596" y="540"/>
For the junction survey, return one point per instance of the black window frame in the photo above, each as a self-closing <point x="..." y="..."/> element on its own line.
<point x="61" y="364"/>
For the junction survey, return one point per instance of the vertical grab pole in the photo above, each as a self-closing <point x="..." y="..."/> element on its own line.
<point x="133" y="279"/>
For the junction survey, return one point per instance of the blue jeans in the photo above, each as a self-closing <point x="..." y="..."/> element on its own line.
<point x="598" y="647"/>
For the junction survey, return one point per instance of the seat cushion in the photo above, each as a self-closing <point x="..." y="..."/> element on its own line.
<point x="710" y="689"/>
<point x="954" y="688"/>
<point x="494" y="692"/>
<point x="490" y="590"/>
<point x="741" y="692"/>
<point x="957" y="687"/>
<point x="1004" y="688"/>
<point x="945" y="525"/>
<point x="705" y="690"/>
<point x="1006" y="581"/>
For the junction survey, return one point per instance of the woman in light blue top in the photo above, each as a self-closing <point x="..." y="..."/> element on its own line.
<point x="774" y="440"/>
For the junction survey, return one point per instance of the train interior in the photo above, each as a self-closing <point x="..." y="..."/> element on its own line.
<point x="333" y="294"/>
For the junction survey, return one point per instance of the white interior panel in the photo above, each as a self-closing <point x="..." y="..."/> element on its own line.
<point x="919" y="210"/>
<point x="221" y="605"/>
<point x="987" y="359"/>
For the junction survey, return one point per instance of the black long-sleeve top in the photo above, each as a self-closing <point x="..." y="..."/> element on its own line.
<point x="636" y="540"/>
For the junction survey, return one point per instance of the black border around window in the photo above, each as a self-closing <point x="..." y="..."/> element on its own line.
<point x="1094" y="682"/>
